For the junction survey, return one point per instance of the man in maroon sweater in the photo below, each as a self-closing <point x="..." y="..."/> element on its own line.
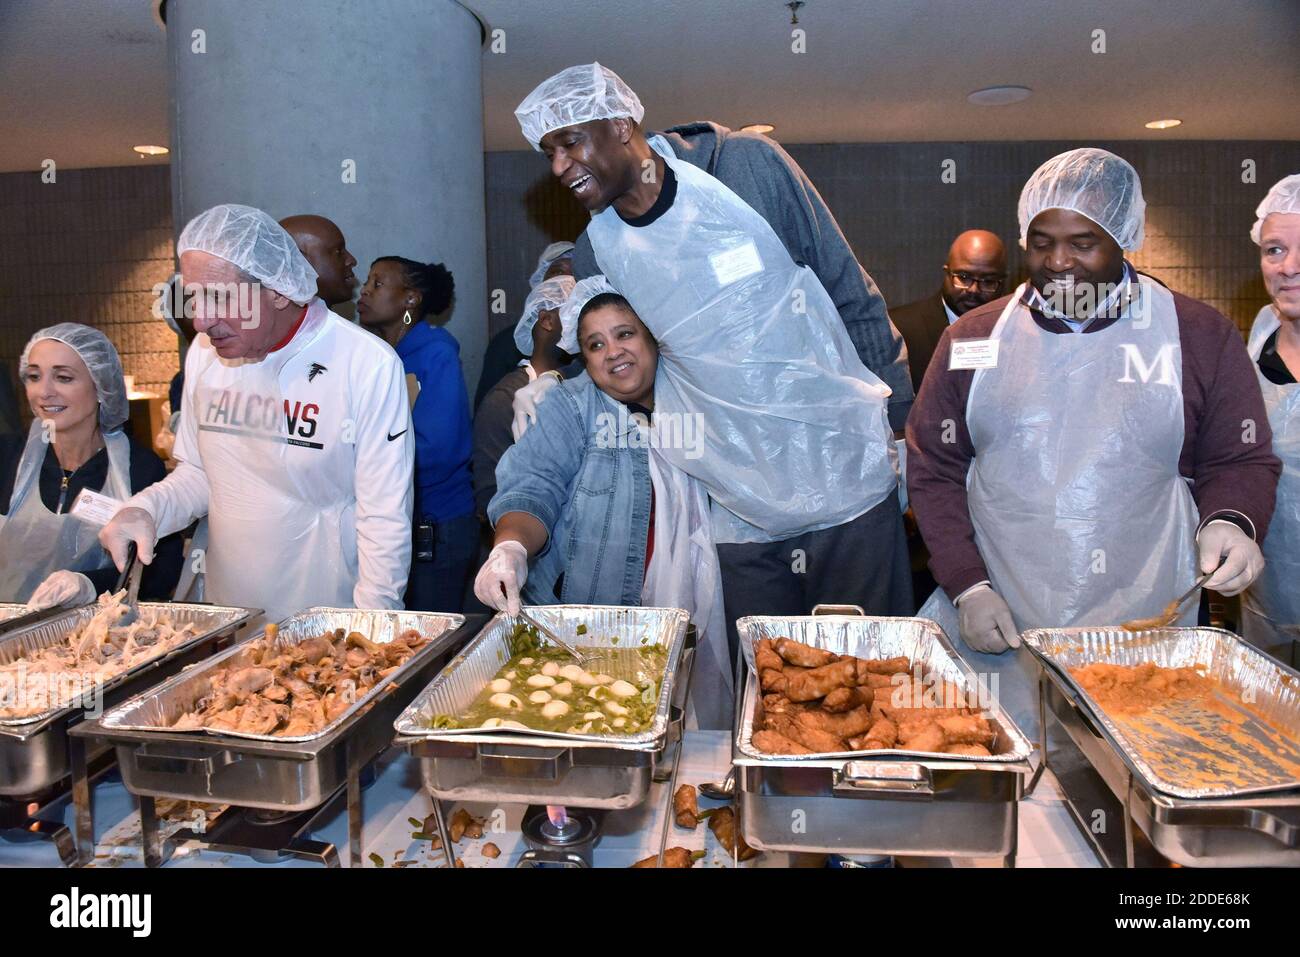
<point x="1082" y="447"/>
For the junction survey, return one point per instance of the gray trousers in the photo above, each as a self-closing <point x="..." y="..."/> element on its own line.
<point x="862" y="562"/>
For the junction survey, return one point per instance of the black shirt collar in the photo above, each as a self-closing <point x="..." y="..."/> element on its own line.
<point x="667" y="193"/>
<point x="1271" y="364"/>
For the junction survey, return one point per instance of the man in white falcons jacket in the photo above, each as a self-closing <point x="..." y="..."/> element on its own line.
<point x="294" y="436"/>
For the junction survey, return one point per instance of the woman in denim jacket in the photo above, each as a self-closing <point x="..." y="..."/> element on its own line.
<point x="583" y="501"/>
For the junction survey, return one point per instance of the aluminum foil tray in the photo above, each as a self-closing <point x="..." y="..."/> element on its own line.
<point x="1184" y="748"/>
<point x="160" y="707"/>
<point x="453" y="691"/>
<point x="919" y="639"/>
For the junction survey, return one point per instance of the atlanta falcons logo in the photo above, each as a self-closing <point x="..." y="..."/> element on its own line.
<point x="315" y="370"/>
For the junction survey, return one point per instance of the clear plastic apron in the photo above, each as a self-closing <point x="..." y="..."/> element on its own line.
<point x="795" y="425"/>
<point x="35" y="542"/>
<point x="684" y="573"/>
<point x="1079" y="510"/>
<point x="1271" y="606"/>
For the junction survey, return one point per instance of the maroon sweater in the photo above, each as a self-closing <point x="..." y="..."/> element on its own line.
<point x="1230" y="478"/>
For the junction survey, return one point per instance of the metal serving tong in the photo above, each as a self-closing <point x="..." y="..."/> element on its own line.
<point x="573" y="652"/>
<point x="130" y="579"/>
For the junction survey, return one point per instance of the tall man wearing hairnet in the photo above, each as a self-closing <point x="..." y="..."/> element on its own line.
<point x="1270" y="608"/>
<point x="1083" y="449"/>
<point x="769" y="330"/>
<point x="294" y="436"/>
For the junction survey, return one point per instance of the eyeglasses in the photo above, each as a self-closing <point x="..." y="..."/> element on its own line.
<point x="966" y="281"/>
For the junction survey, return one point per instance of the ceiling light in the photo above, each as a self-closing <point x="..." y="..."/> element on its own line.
<point x="151" y="150"/>
<point x="1163" y="124"/>
<point x="758" y="128"/>
<point x="999" y="95"/>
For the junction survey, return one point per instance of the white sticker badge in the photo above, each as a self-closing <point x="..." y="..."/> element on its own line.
<point x="973" y="354"/>
<point x="95" y="508"/>
<point x="736" y="264"/>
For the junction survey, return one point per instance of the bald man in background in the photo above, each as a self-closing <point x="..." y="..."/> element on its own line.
<point x="323" y="245"/>
<point x="975" y="273"/>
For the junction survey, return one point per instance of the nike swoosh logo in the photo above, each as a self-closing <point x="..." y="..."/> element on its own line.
<point x="397" y="436"/>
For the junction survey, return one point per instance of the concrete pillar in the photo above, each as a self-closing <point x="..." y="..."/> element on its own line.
<point x="369" y="113"/>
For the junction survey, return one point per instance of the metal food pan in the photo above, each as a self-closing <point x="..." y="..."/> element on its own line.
<point x="918" y="639"/>
<point x="159" y="708"/>
<point x="11" y="610"/>
<point x="455" y="689"/>
<point x="209" y="619"/>
<point x="1183" y="749"/>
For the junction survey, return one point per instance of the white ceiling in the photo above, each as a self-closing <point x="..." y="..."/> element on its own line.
<point x="85" y="80"/>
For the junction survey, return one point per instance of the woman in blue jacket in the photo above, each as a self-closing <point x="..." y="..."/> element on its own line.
<point x="398" y="300"/>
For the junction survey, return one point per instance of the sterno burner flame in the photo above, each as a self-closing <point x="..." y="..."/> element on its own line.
<point x="556" y="815"/>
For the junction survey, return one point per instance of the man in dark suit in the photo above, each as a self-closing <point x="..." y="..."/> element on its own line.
<point x="975" y="273"/>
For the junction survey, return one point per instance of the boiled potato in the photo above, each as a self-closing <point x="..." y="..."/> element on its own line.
<point x="592" y="716"/>
<point x="555" y="709"/>
<point x="506" y="702"/>
<point x="499" y="684"/>
<point x="491" y="723"/>
<point x="603" y="679"/>
<point x="550" y="669"/>
<point x="539" y="697"/>
<point x="620" y="722"/>
<point x="525" y="662"/>
<point x="572" y="672"/>
<point x="614" y="708"/>
<point x="623" y="689"/>
<point x="562" y="690"/>
<point x="541" y="681"/>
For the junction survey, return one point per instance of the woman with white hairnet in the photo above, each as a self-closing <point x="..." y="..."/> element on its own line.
<point x="588" y="511"/>
<point x="536" y="336"/>
<point x="75" y="446"/>
<point x="1082" y="449"/>
<point x="1270" y="613"/>
<point x="503" y="354"/>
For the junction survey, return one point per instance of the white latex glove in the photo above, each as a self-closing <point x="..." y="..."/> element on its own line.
<point x="1242" y="560"/>
<point x="526" y="401"/>
<point x="68" y="589"/>
<point x="985" y="621"/>
<point x="127" y="526"/>
<point x="498" y="582"/>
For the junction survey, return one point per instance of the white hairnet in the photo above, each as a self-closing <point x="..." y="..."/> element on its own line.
<point x="549" y="255"/>
<point x="1094" y="183"/>
<point x="584" y="290"/>
<point x="579" y="94"/>
<point x="101" y="361"/>
<point x="1284" y="197"/>
<point x="256" y="243"/>
<point x="548" y="295"/>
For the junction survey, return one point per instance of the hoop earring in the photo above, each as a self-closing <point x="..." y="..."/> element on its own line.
<point x="406" y="318"/>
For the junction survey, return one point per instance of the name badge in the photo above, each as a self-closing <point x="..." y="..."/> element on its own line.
<point x="973" y="354"/>
<point x="736" y="264"/>
<point x="94" y="508"/>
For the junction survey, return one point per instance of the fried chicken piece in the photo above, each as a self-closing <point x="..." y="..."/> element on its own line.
<point x="770" y="742"/>
<point x="967" y="729"/>
<point x="928" y="737"/>
<point x="765" y="657"/>
<point x="775" y="681"/>
<point x="673" y="857"/>
<point x="819" y="682"/>
<point x="816" y="740"/>
<point x="458" y="824"/>
<point x="971" y="750"/>
<point x="805" y="656"/>
<point x="686" y="807"/>
<point x="882" y="736"/>
<point x="776" y="703"/>
<point x="846" y="725"/>
<point x="889" y="666"/>
<point x="247" y="680"/>
<point x="846" y="699"/>
<point x="870" y="679"/>
<point x="723" y="825"/>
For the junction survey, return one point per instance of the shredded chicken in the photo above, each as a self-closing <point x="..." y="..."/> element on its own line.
<point x="296" y="690"/>
<point x="90" y="656"/>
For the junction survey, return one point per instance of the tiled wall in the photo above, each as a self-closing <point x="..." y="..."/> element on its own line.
<point x="88" y="248"/>
<point x="900" y="216"/>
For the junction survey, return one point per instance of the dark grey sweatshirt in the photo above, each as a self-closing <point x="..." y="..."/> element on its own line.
<point x="761" y="173"/>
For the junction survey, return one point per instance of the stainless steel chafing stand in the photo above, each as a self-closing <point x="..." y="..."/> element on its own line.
<point x="877" y="802"/>
<point x="1102" y="783"/>
<point x="305" y="776"/>
<point x="600" y="772"/>
<point x="41" y="759"/>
